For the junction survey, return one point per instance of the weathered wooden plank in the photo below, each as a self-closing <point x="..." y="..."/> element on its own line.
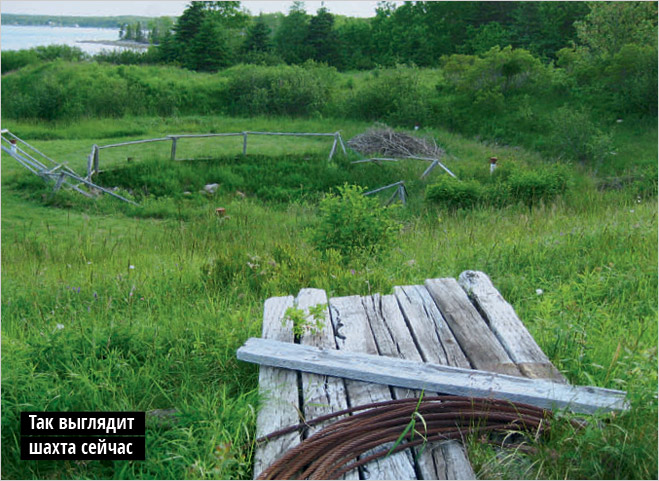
<point x="431" y="377"/>
<point x="133" y="142"/>
<point x="508" y="328"/>
<point x="394" y="339"/>
<point x="431" y="334"/>
<point x="353" y="334"/>
<point x="321" y="395"/>
<point x="278" y="388"/>
<point x="477" y="341"/>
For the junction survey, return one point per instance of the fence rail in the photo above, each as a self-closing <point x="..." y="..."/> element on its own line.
<point x="93" y="160"/>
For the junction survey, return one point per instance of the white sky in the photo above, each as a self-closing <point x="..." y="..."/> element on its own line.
<point x="171" y="8"/>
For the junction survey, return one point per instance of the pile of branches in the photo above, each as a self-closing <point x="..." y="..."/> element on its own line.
<point x="382" y="140"/>
<point x="332" y="451"/>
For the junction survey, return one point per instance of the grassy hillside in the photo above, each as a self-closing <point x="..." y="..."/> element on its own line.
<point x="111" y="307"/>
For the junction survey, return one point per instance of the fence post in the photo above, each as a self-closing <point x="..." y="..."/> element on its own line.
<point x="333" y="148"/>
<point x="95" y="151"/>
<point x="244" y="143"/>
<point x="174" y="139"/>
<point x="342" y="144"/>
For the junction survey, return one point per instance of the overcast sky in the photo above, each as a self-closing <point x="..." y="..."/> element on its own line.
<point x="171" y="8"/>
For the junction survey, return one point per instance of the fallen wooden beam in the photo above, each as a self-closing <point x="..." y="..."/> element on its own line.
<point x="431" y="377"/>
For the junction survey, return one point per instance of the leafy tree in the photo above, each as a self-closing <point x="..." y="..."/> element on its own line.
<point x="489" y="35"/>
<point x="291" y="37"/>
<point x="611" y="25"/>
<point x="355" y="38"/>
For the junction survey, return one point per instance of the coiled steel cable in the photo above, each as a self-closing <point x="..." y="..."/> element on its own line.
<point x="336" y="449"/>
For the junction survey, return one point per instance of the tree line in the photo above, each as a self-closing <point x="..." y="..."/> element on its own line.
<point x="209" y="36"/>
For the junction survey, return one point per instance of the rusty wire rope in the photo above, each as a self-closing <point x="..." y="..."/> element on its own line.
<point x="351" y="441"/>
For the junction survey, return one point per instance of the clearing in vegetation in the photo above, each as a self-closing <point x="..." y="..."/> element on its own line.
<point x="109" y="306"/>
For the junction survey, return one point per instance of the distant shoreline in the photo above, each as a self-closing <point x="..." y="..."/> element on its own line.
<point x="118" y="43"/>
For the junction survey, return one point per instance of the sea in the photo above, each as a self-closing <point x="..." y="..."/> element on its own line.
<point x="18" y="37"/>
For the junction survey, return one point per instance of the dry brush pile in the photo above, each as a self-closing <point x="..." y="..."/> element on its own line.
<point x="382" y="140"/>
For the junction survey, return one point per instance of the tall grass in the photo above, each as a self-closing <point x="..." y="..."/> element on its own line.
<point x="108" y="307"/>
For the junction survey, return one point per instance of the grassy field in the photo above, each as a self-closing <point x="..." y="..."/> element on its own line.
<point x="111" y="307"/>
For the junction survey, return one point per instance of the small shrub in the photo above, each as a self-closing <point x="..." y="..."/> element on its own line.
<point x="352" y="223"/>
<point x="531" y="186"/>
<point x="575" y="137"/>
<point x="454" y="193"/>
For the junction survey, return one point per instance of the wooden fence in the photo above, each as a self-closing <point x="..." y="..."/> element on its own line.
<point x="94" y="158"/>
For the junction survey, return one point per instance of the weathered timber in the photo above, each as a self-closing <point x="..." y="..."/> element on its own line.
<point x="394" y="339"/>
<point x="293" y="134"/>
<point x="508" y="328"/>
<point x="354" y="335"/>
<point x="431" y="377"/>
<point x="133" y="142"/>
<point x="331" y="154"/>
<point x="400" y="182"/>
<point x="429" y="329"/>
<point x="477" y="341"/>
<point x="278" y="387"/>
<point x="320" y="394"/>
<point x="173" y="152"/>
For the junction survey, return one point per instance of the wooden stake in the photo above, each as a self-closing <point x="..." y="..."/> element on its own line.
<point x="173" y="156"/>
<point x="333" y="148"/>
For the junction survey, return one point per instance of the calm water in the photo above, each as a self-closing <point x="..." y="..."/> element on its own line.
<point x="13" y="37"/>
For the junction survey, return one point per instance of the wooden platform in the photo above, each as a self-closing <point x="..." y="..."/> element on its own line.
<point x="464" y="323"/>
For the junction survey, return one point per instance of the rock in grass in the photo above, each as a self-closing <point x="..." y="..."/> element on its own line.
<point x="211" y="188"/>
<point x="163" y="418"/>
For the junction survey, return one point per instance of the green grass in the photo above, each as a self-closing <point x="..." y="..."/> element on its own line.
<point x="111" y="307"/>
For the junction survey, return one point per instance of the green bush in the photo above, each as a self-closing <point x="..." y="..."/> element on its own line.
<point x="15" y="59"/>
<point x="395" y="96"/>
<point x="279" y="90"/>
<point x="575" y="137"/>
<point x="454" y="193"/>
<point x="532" y="186"/>
<point x="353" y="224"/>
<point x="507" y="186"/>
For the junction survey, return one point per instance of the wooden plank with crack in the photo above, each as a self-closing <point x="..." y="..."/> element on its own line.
<point x="508" y="328"/>
<point x="477" y="341"/>
<point x="445" y="460"/>
<point x="432" y="377"/>
<point x="429" y="330"/>
<point x="354" y="335"/>
<point x="320" y="394"/>
<point x="278" y="388"/>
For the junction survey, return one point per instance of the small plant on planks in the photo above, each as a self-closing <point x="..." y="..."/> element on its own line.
<point x="312" y="321"/>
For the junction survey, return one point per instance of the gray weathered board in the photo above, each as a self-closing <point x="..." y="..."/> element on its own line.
<point x="451" y="327"/>
<point x="431" y="377"/>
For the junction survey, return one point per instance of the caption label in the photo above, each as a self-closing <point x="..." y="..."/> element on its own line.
<point x="83" y="435"/>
